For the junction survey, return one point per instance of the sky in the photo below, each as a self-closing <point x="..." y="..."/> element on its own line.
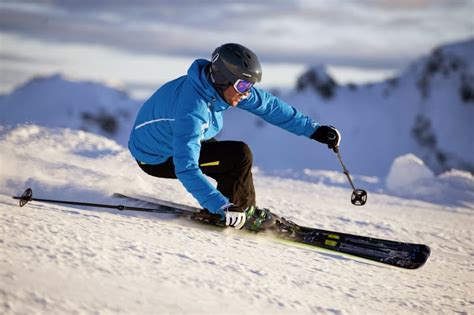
<point x="140" y="44"/>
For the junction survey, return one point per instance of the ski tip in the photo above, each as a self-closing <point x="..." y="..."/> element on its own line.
<point x="420" y="257"/>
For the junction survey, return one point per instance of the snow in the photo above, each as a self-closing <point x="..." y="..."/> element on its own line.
<point x="408" y="172"/>
<point x="58" y="259"/>
<point x="409" y="177"/>
<point x="406" y="141"/>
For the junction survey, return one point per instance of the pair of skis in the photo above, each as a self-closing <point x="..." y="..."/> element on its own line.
<point x="398" y="254"/>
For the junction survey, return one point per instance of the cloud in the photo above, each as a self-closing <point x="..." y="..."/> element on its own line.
<point x="415" y="4"/>
<point x="364" y="33"/>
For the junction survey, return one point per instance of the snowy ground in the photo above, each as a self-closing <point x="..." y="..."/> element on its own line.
<point x="60" y="259"/>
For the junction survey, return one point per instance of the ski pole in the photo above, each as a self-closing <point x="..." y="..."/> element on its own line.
<point x="359" y="196"/>
<point x="27" y="196"/>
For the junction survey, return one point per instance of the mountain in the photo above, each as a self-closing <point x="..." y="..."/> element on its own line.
<point x="57" y="101"/>
<point x="426" y="110"/>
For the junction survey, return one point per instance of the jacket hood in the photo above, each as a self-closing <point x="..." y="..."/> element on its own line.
<point x="198" y="78"/>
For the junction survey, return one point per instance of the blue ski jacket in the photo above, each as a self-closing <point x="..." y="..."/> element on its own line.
<point x="188" y="110"/>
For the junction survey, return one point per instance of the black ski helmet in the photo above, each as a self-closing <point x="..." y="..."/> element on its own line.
<point x="231" y="62"/>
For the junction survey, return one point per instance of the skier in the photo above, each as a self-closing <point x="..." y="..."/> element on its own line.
<point x="173" y="135"/>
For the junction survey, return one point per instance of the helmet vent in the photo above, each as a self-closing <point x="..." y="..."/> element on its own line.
<point x="246" y="64"/>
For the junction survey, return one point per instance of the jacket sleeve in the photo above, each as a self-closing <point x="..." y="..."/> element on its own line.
<point x="277" y="112"/>
<point x="188" y="129"/>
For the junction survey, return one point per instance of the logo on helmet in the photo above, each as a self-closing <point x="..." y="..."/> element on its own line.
<point x="246" y="75"/>
<point x="214" y="59"/>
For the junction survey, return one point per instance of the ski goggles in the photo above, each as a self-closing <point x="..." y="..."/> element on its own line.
<point x="242" y="86"/>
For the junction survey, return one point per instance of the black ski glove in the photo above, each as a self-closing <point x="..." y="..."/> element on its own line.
<point x="328" y="135"/>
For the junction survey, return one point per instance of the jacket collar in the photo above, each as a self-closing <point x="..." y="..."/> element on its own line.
<point x="200" y="81"/>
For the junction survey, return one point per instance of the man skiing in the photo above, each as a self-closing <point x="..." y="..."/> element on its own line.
<point x="173" y="135"/>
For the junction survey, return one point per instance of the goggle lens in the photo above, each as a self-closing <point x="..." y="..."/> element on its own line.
<point x="242" y="86"/>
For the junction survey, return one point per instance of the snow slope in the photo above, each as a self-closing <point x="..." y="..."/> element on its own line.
<point x="57" y="259"/>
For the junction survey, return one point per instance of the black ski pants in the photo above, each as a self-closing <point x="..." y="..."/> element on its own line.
<point x="228" y="162"/>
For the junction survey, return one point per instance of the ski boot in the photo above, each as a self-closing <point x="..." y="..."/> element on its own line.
<point x="259" y="219"/>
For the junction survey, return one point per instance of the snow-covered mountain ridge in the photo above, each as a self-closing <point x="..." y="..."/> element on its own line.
<point x="451" y="62"/>
<point x="57" y="101"/>
<point x="427" y="110"/>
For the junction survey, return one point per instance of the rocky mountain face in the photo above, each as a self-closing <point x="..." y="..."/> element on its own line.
<point x="317" y="79"/>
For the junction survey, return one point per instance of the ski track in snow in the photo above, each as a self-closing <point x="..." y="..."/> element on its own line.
<point x="57" y="259"/>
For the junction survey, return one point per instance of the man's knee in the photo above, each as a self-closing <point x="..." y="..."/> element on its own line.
<point x="244" y="152"/>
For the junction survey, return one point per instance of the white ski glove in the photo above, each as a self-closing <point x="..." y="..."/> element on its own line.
<point x="235" y="217"/>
